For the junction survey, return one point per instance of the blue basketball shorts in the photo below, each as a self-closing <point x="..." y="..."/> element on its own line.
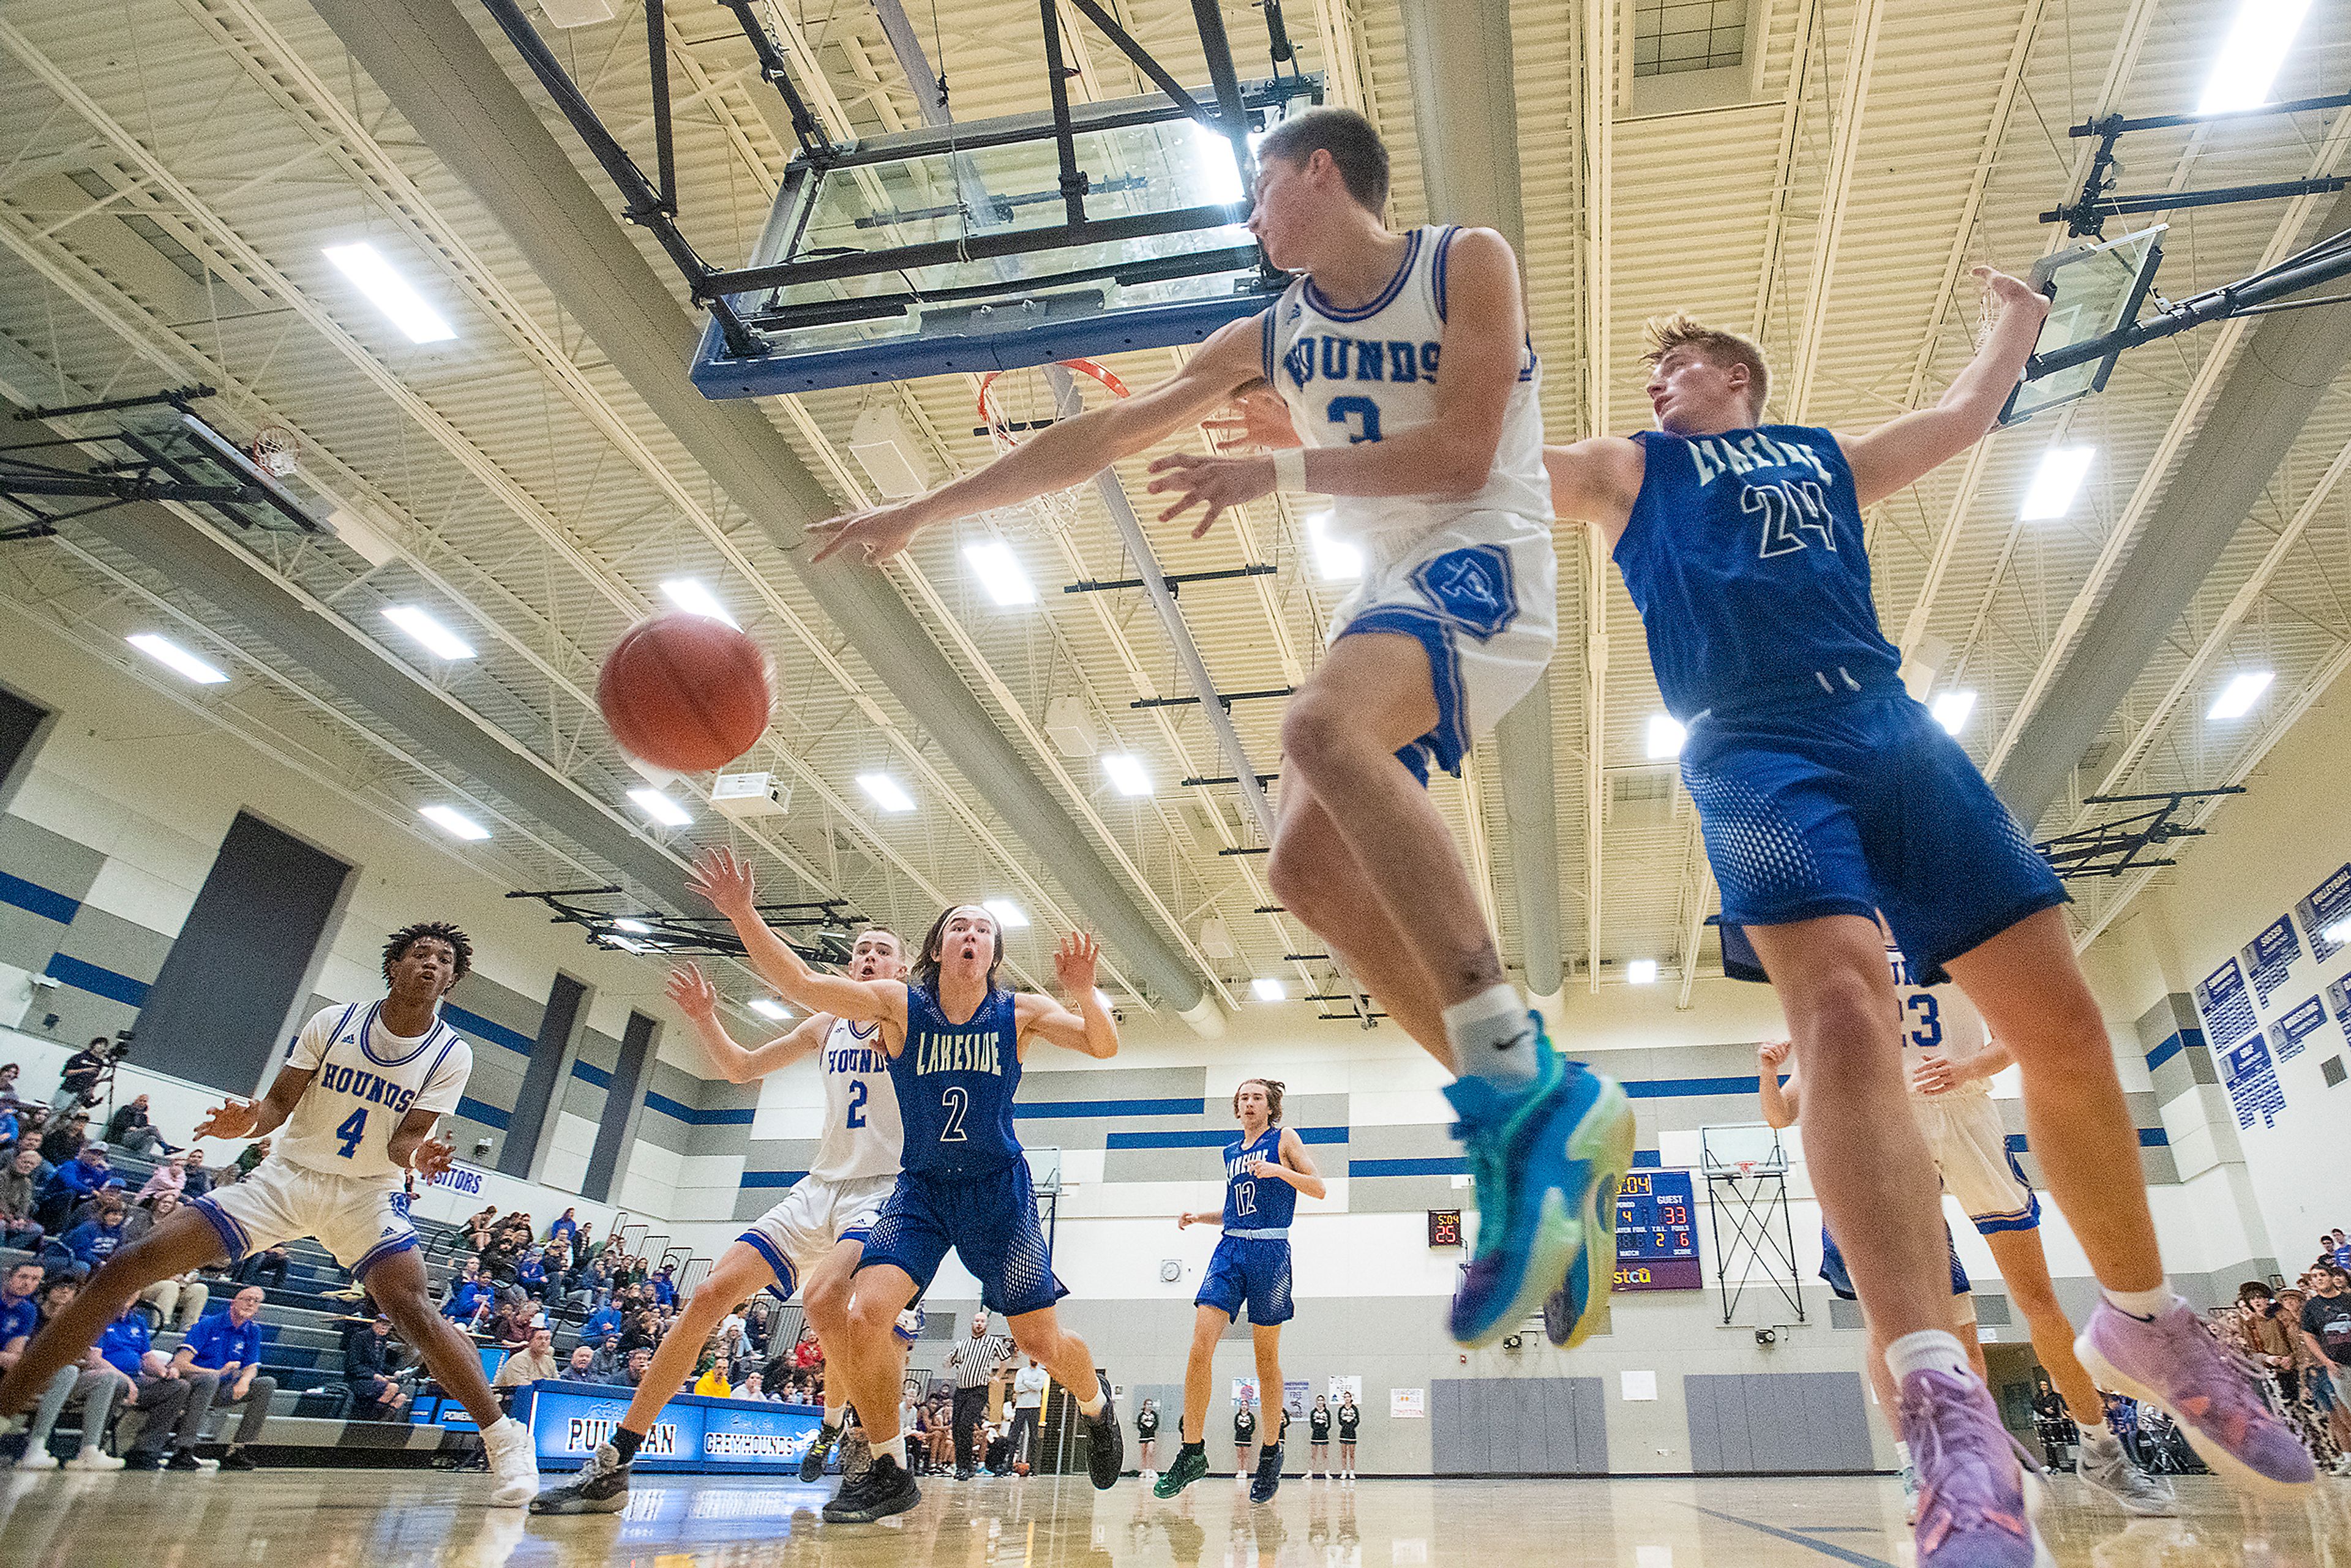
<point x="1861" y="806"/>
<point x="1251" y="1272"/>
<point x="1840" y="1279"/>
<point x="988" y="1217"/>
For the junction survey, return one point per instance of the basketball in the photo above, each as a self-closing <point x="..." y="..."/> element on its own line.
<point x="684" y="692"/>
<point x="1019" y="1467"/>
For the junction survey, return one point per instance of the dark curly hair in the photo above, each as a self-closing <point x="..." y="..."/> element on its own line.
<point x="396" y="947"/>
<point x="1272" y="1087"/>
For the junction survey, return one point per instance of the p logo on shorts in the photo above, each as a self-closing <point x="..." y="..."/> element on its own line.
<point x="1473" y="586"/>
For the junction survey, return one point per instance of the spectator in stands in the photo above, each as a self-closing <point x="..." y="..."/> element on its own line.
<point x="94" y="1240"/>
<point x="535" y="1363"/>
<point x="710" y="1378"/>
<point x="505" y="1326"/>
<point x="605" y="1320"/>
<point x="170" y="1175"/>
<point x="78" y="1084"/>
<point x="129" y="1128"/>
<point x="2122" y="1419"/>
<point x="157" y="1393"/>
<point x="253" y="1155"/>
<point x="9" y="1096"/>
<point x="566" y="1225"/>
<point x="581" y="1367"/>
<point x="478" y="1236"/>
<point x="268" y="1264"/>
<point x="584" y="1247"/>
<point x="370" y="1359"/>
<point x="856" y="1450"/>
<point x="90" y="1383"/>
<point x="665" y="1287"/>
<point x="633" y="1371"/>
<point x="63" y="1135"/>
<point x="807" y="1355"/>
<point x="756" y="1323"/>
<point x="17" y="1185"/>
<point x="81" y="1175"/>
<point x="643" y="1332"/>
<point x="180" y="1300"/>
<point x="938" y="1436"/>
<point x="735" y="1353"/>
<point x="612" y="1361"/>
<point x="198" y="1180"/>
<point x="2316" y="1386"/>
<point x="2338" y="1249"/>
<point x="754" y="1389"/>
<point x="222" y="1357"/>
<point x="469" y="1296"/>
<point x="530" y="1273"/>
<point x="2327" y="1327"/>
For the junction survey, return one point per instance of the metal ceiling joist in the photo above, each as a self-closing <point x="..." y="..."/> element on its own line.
<point x="438" y="74"/>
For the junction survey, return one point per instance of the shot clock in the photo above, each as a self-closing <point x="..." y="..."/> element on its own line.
<point x="1445" y="1227"/>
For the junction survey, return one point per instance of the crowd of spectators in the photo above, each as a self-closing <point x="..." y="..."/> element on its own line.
<point x="2300" y="1336"/>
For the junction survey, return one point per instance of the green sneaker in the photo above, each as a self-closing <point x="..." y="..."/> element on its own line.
<point x="1190" y="1465"/>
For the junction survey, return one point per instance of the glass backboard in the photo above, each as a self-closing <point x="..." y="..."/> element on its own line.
<point x="2094" y="289"/>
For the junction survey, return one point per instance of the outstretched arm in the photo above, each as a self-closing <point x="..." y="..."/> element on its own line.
<point x="1085" y="1024"/>
<point x="234" y="1118"/>
<point x="1780" y="1100"/>
<point x="726" y="880"/>
<point x="1897" y="454"/>
<point x="698" y="1000"/>
<point x="1065" y="453"/>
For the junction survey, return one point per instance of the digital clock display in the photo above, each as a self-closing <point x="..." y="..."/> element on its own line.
<point x="1657" y="1241"/>
<point x="1445" y="1227"/>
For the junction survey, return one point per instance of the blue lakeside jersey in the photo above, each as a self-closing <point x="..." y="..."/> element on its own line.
<point x="955" y="1084"/>
<point x="1744" y="556"/>
<point x="1254" y="1203"/>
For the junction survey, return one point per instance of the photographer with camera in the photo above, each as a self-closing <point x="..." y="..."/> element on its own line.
<point x="86" y="1073"/>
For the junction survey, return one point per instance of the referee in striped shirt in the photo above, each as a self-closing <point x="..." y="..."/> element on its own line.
<point x="972" y="1363"/>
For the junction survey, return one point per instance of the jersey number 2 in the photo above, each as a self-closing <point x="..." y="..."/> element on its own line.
<point x="354" y="1128"/>
<point x="857" y="1102"/>
<point x="958" y="1100"/>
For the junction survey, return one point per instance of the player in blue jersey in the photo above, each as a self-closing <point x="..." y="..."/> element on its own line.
<point x="956" y="1040"/>
<point x="1264" y="1173"/>
<point x="1405" y="361"/>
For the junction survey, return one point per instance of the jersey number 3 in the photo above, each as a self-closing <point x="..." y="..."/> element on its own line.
<point x="353" y="1129"/>
<point x="1361" y="416"/>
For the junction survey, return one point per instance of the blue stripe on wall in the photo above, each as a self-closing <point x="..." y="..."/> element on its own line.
<point x="587" y="1073"/>
<point x="694" y="1118"/>
<point x="496" y="1033"/>
<point x="2149" y="1138"/>
<point x="1050" y="1110"/>
<point x="1211" y="1138"/>
<point x="1676" y="1088"/>
<point x="1423" y="1164"/>
<point x="41" y="901"/>
<point x="98" y="982"/>
<point x="473" y="1110"/>
<point x="2164" y="1053"/>
<point x="771" y="1178"/>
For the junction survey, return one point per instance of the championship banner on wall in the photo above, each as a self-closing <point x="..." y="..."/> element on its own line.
<point x="2277" y="1016"/>
<point x="568" y="1420"/>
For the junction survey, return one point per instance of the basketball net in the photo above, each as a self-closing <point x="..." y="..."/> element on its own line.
<point x="277" y="451"/>
<point x="1014" y="405"/>
<point x="1746" y="1168"/>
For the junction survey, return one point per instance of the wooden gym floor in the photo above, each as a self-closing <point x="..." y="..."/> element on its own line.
<point x="373" y="1519"/>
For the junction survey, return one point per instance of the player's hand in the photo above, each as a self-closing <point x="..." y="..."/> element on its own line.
<point x="696" y="997"/>
<point x="1073" y="964"/>
<point x="1215" y="483"/>
<point x="1934" y="1076"/>
<point x="724" y="879"/>
<point x="431" y="1157"/>
<point x="1773" y="1054"/>
<point x="230" y="1119"/>
<point x="1265" y="1169"/>
<point x="2011" y="293"/>
<point x="873" y="535"/>
<point x="1256" y="419"/>
<point x="1184" y="1221"/>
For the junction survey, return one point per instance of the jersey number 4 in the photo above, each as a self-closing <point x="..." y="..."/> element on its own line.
<point x="353" y="1129"/>
<point x="1791" y="510"/>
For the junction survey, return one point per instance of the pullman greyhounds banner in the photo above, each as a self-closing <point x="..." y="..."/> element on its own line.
<point x="694" y="1432"/>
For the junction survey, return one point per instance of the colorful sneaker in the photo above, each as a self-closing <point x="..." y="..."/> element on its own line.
<point x="2105" y="1468"/>
<point x="1977" y="1490"/>
<point x="2174" y="1362"/>
<point x="600" y="1487"/>
<point x="1191" y="1465"/>
<point x="883" y="1490"/>
<point x="820" y="1449"/>
<point x="1546" y="1159"/>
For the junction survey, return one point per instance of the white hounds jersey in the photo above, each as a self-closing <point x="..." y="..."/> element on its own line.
<point x="1937" y="1021"/>
<point x="1473" y="577"/>
<point x="856" y="1161"/>
<point x="1962" y="1124"/>
<point x="365" y="1080"/>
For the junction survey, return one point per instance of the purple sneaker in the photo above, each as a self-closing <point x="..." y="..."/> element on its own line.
<point x="1977" y="1490"/>
<point x="2174" y="1362"/>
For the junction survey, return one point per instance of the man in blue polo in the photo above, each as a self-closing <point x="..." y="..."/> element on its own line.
<point x="220" y="1358"/>
<point x="157" y="1391"/>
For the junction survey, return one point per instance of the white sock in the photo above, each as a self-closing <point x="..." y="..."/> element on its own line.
<point x="2145" y="1305"/>
<point x="1492" y="1035"/>
<point x="1928" y="1350"/>
<point x="895" y="1448"/>
<point x="1090" y="1409"/>
<point x="1902" y="1454"/>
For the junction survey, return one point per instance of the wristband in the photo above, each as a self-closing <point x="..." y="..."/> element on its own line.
<point x="1290" y="468"/>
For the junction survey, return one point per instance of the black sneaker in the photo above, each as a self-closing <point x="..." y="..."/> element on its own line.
<point x="600" y="1487"/>
<point x="813" y="1462"/>
<point x="963" y="1472"/>
<point x="883" y="1490"/>
<point x="1267" y="1479"/>
<point x="141" y="1459"/>
<point x="183" y="1459"/>
<point x="1191" y="1465"/>
<point x="237" y="1460"/>
<point x="1105" y="1442"/>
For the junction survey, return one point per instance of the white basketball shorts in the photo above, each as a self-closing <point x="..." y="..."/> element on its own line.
<point x="361" y="1221"/>
<point x="1970" y="1148"/>
<point x="815" y="1216"/>
<point x="1481" y="595"/>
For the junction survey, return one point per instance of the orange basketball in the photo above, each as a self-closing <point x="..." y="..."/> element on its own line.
<point x="684" y="692"/>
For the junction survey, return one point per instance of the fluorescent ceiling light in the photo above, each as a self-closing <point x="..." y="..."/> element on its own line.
<point x="999" y="571"/>
<point x="688" y="594"/>
<point x="1007" y="914"/>
<point x="1335" y="560"/>
<point x="1219" y="175"/>
<point x="2237" y="698"/>
<point x="634" y="928"/>
<point x="391" y="294"/>
<point x="172" y="656"/>
<point x="1952" y="710"/>
<point x="1126" y="774"/>
<point x="1267" y="990"/>
<point x="2056" y="483"/>
<point x="1666" y="735"/>
<point x="437" y="639"/>
<point x="2249" y="61"/>
<point x="661" y="807"/>
<point x="2339" y="934"/>
<point x="1641" y="972"/>
<point x="769" y="1007"/>
<point x="454" y="823"/>
<point x="626" y="945"/>
<point x="885" y="792"/>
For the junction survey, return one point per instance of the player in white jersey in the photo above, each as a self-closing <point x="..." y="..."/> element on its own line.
<point x="353" y="1110"/>
<point x="1948" y="1059"/>
<point x="1407" y="362"/>
<point x="813" y="1238"/>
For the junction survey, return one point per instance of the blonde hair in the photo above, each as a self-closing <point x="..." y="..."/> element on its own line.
<point x="1661" y="335"/>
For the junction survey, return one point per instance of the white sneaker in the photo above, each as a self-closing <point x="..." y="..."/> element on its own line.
<point x="93" y="1460"/>
<point x="37" y="1459"/>
<point x="1909" y="1495"/>
<point x="2342" y="1466"/>
<point x="513" y="1462"/>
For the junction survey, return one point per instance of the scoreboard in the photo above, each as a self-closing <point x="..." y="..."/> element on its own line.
<point x="1657" y="1244"/>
